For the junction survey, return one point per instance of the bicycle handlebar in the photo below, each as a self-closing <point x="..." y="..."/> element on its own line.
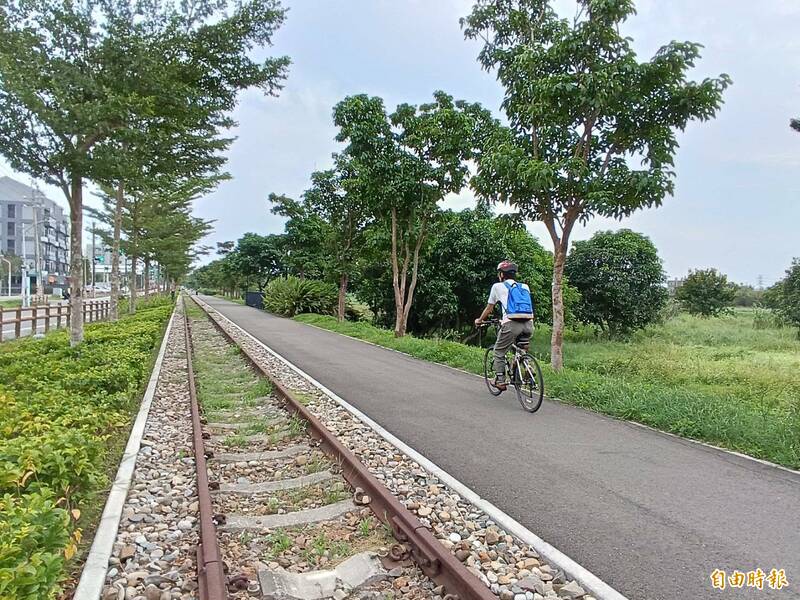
<point x="489" y="322"/>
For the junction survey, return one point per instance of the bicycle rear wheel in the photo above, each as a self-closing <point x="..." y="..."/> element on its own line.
<point x="489" y="373"/>
<point x="529" y="383"/>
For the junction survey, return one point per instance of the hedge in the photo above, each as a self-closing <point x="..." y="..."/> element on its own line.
<point x="59" y="406"/>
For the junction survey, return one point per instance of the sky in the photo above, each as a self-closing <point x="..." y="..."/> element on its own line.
<point x="736" y="205"/>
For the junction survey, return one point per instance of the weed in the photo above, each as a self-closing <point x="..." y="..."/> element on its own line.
<point x="336" y="493"/>
<point x="297" y="426"/>
<point x="235" y="440"/>
<point x="364" y="527"/>
<point x="278" y="542"/>
<point x="315" y="465"/>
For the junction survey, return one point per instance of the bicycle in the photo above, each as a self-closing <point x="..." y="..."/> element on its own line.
<point x="522" y="369"/>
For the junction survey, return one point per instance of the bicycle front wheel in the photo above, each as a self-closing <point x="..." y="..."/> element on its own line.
<point x="488" y="372"/>
<point x="529" y="383"/>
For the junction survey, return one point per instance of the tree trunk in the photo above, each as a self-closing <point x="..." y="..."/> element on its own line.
<point x="342" y="308"/>
<point x="557" y="337"/>
<point x="114" y="308"/>
<point x="399" y="322"/>
<point x="146" y="277"/>
<point x="134" y="259"/>
<point x="76" y="260"/>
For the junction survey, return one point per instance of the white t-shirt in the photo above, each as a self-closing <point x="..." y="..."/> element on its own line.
<point x="499" y="293"/>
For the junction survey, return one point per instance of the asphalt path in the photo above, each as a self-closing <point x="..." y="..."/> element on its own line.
<point x="650" y="514"/>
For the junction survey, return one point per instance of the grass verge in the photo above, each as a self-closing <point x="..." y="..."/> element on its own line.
<point x="721" y="381"/>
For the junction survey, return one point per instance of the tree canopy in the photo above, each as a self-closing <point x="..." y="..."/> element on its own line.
<point x="620" y="279"/>
<point x="592" y="128"/>
<point x="705" y="292"/>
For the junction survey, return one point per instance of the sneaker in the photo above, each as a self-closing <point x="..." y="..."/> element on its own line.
<point x="500" y="385"/>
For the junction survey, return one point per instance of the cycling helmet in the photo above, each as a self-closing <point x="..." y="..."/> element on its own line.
<point x="507" y="267"/>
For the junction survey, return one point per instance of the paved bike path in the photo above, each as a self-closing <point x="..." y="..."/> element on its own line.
<point x="650" y="514"/>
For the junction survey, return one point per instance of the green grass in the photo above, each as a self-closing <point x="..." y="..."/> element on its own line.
<point x="718" y="380"/>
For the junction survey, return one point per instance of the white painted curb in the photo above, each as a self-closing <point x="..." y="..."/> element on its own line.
<point x="93" y="576"/>
<point x="590" y="582"/>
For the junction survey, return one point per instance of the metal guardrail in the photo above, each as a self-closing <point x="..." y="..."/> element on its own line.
<point x="416" y="540"/>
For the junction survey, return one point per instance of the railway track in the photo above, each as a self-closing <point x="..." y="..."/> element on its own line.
<point x="251" y="482"/>
<point x="285" y="509"/>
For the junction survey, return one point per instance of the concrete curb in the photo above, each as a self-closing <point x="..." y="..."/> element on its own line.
<point x="590" y="582"/>
<point x="93" y="575"/>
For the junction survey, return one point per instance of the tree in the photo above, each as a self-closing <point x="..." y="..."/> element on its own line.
<point x="258" y="258"/>
<point x="458" y="269"/>
<point x="581" y="109"/>
<point x="788" y="294"/>
<point x="747" y="295"/>
<point x="335" y="196"/>
<point x="67" y="108"/>
<point x="620" y="279"/>
<point x="405" y="164"/>
<point x="304" y="253"/>
<point x="705" y="292"/>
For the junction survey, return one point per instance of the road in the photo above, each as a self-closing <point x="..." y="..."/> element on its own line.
<point x="27" y="326"/>
<point x="650" y="514"/>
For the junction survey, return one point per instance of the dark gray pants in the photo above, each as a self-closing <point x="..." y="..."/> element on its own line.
<point x="519" y="331"/>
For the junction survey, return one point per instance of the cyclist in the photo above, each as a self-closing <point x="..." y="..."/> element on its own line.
<point x="517" y="322"/>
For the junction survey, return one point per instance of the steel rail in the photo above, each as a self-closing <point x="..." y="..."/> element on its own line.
<point x="210" y="570"/>
<point x="418" y="542"/>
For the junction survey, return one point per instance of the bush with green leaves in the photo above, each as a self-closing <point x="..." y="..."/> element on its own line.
<point x="620" y="279"/>
<point x="290" y="296"/>
<point x="787" y="295"/>
<point x="60" y="409"/>
<point x="706" y="292"/>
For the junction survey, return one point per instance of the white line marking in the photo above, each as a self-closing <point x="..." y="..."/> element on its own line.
<point x="93" y="576"/>
<point x="590" y="582"/>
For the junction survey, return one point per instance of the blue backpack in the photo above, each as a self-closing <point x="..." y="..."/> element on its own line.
<point x="520" y="304"/>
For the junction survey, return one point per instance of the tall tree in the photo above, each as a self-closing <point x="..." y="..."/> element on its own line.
<point x="337" y="198"/>
<point x="581" y="109"/>
<point x="258" y="258"/>
<point x="304" y="252"/>
<point x="407" y="162"/>
<point x="66" y="107"/>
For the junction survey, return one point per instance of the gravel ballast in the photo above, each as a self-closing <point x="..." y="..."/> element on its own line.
<point x="154" y="553"/>
<point x="508" y="567"/>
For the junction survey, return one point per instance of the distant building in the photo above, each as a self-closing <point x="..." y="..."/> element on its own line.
<point x="673" y="285"/>
<point x="31" y="223"/>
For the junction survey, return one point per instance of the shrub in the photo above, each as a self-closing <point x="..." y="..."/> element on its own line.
<point x="290" y="296"/>
<point x="59" y="407"/>
<point x="789" y="295"/>
<point x="706" y="293"/>
<point x="620" y="280"/>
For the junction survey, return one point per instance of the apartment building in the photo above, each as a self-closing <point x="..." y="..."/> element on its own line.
<point x="33" y="227"/>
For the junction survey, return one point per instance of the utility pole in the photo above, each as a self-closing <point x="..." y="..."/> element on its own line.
<point x="760" y="282"/>
<point x="37" y="253"/>
<point x="25" y="282"/>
